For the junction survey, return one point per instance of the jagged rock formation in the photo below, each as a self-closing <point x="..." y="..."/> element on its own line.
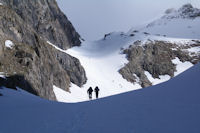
<point x="47" y="20"/>
<point x="186" y="11"/>
<point x="32" y="63"/>
<point x="156" y="58"/>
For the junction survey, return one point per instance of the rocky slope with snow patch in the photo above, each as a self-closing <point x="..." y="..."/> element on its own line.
<point x="155" y="51"/>
<point x="26" y="59"/>
<point x="156" y="58"/>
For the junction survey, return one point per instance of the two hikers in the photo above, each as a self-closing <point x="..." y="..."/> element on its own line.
<point x="90" y="90"/>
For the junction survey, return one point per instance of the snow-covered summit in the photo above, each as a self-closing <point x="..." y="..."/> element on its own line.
<point x="181" y="23"/>
<point x="186" y="11"/>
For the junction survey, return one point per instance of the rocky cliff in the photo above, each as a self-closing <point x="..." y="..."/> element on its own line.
<point x="47" y="20"/>
<point x="26" y="58"/>
<point x="156" y="58"/>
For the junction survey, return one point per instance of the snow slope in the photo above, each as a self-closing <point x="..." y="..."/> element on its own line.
<point x="102" y="59"/>
<point x="170" y="107"/>
<point x="179" y="23"/>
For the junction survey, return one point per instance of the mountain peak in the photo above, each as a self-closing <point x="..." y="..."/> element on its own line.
<point x="186" y="11"/>
<point x="187" y="6"/>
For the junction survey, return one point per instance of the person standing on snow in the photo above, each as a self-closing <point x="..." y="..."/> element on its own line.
<point x="97" y="92"/>
<point x="89" y="91"/>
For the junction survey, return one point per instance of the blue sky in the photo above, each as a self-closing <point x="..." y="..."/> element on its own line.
<point x="94" y="18"/>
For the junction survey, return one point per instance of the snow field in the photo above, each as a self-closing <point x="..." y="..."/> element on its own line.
<point x="102" y="59"/>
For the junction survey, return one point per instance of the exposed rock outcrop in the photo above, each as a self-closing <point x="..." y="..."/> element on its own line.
<point x="156" y="58"/>
<point x="31" y="63"/>
<point x="47" y="20"/>
<point x="73" y="68"/>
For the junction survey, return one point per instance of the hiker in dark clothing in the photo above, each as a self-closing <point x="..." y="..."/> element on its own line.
<point x="97" y="92"/>
<point x="89" y="91"/>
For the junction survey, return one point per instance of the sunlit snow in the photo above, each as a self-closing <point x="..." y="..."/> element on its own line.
<point x="154" y="81"/>
<point x="181" y="66"/>
<point x="103" y="59"/>
<point x="2" y="75"/>
<point x="9" y="44"/>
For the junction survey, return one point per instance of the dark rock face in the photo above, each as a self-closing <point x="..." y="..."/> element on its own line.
<point x="156" y="58"/>
<point x="32" y="64"/>
<point x="47" y="20"/>
<point x="15" y="81"/>
<point x="73" y="68"/>
<point x="38" y="65"/>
